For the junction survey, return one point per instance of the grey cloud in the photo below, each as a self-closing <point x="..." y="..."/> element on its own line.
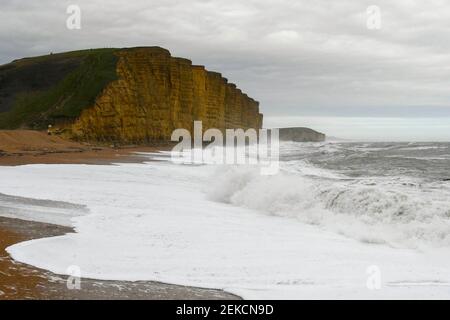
<point x="295" y="57"/>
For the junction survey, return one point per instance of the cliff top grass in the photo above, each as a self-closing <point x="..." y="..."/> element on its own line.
<point x="38" y="91"/>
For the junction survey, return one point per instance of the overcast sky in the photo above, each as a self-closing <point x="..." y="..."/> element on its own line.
<point x="298" y="58"/>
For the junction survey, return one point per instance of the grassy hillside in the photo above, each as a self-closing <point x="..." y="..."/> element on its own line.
<point x="35" y="92"/>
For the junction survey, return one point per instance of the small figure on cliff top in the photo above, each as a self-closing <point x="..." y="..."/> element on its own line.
<point x="49" y="130"/>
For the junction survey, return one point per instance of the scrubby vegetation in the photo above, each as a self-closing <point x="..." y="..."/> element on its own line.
<point x="35" y="92"/>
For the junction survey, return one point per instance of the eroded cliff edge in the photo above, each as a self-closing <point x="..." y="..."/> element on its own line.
<point x="156" y="93"/>
<point x="132" y="95"/>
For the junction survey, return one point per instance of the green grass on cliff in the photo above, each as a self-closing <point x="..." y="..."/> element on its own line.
<point x="53" y="88"/>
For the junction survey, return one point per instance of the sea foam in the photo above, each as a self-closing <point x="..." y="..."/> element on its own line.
<point x="381" y="210"/>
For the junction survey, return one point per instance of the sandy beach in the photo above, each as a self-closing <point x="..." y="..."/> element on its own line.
<point x="148" y="222"/>
<point x="22" y="281"/>
<point x="21" y="147"/>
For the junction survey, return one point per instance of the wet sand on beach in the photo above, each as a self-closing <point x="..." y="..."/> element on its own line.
<point x="22" y="281"/>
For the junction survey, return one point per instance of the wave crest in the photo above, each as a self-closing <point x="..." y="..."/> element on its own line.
<point x="370" y="210"/>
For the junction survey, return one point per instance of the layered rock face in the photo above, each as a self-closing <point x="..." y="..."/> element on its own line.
<point x="156" y="93"/>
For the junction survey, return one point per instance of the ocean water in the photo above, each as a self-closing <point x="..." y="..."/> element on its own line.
<point x="428" y="161"/>
<point x="393" y="193"/>
<point x="59" y="213"/>
<point x="334" y="211"/>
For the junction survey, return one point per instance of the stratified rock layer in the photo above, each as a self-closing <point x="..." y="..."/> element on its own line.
<point x="156" y="93"/>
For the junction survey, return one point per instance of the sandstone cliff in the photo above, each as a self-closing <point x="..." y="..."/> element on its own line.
<point x="130" y="95"/>
<point x="156" y="93"/>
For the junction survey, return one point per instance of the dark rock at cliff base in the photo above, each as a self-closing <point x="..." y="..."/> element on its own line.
<point x="300" y="134"/>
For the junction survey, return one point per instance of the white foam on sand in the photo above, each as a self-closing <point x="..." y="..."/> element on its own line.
<point x="157" y="221"/>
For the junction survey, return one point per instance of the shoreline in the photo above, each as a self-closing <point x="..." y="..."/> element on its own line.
<point x="22" y="147"/>
<point x="225" y="240"/>
<point x="23" y="281"/>
<point x="19" y="281"/>
<point x="94" y="156"/>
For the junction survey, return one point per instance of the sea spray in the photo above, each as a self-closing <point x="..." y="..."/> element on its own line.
<point x="372" y="210"/>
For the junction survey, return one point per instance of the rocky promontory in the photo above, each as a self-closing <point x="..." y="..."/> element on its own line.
<point x="300" y="134"/>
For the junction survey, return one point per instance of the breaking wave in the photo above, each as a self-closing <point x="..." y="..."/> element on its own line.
<point x="398" y="211"/>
